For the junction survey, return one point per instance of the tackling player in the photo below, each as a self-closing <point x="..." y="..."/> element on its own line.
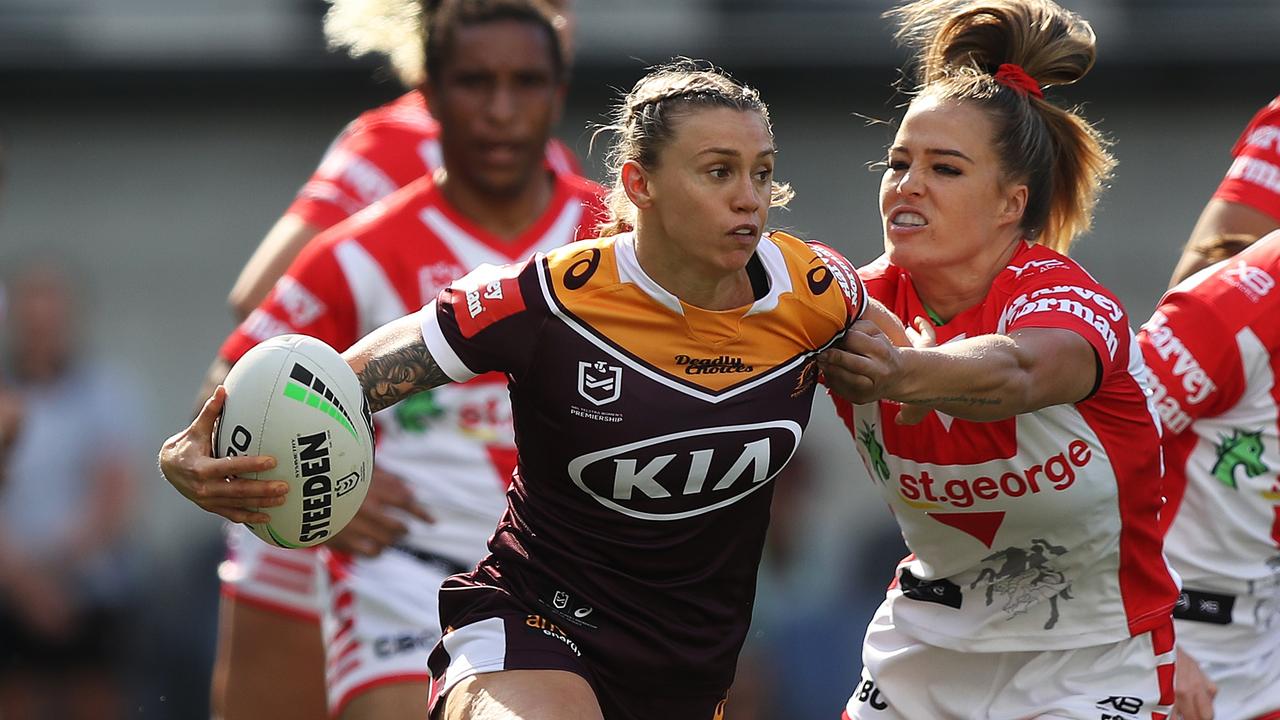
<point x="1019" y="455"/>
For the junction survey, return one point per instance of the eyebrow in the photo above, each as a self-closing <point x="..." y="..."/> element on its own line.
<point x="734" y="153"/>
<point x="936" y="151"/>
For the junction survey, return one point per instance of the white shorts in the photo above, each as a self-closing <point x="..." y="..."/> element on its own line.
<point x="905" y="679"/>
<point x="380" y="623"/>
<point x="284" y="581"/>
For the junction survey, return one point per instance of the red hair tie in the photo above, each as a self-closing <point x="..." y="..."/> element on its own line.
<point x="1018" y="79"/>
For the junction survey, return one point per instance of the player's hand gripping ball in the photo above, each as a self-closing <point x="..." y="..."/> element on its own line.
<point x="294" y="398"/>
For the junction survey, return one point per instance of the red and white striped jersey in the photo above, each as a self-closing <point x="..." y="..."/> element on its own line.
<point x="381" y="151"/>
<point x="454" y="445"/>
<point x="1212" y="351"/>
<point x="1038" y="532"/>
<point x="1254" y="176"/>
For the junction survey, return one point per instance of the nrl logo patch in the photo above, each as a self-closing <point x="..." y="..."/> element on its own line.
<point x="599" y="382"/>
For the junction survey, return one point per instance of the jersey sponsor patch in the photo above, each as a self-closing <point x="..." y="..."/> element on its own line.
<point x="1195" y="382"/>
<point x="687" y="473"/>
<point x="1254" y="282"/>
<point x="1265" y="138"/>
<point x="360" y="174"/>
<point x="1096" y="310"/>
<point x="1035" y="267"/>
<point x="484" y="296"/>
<point x="1256" y="172"/>
<point x="300" y="304"/>
<point x="839" y="269"/>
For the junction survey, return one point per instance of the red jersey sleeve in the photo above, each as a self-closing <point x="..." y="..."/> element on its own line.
<point x="1254" y="176"/>
<point x="483" y="321"/>
<point x="1192" y="359"/>
<point x="364" y="164"/>
<point x="311" y="298"/>
<point x="1067" y="299"/>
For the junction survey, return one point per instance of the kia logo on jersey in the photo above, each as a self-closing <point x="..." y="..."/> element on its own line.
<point x="599" y="382"/>
<point x="687" y="473"/>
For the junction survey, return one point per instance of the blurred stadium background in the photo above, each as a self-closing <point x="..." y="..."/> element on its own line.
<point x="150" y="144"/>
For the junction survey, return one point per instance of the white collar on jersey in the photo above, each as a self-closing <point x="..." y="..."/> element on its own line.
<point x="775" y="268"/>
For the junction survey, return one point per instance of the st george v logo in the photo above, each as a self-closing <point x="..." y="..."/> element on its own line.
<point x="599" y="382"/>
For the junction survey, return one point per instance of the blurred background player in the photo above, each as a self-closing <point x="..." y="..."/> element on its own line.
<point x="272" y="598"/>
<point x="1213" y="356"/>
<point x="383" y="149"/>
<point x="1019" y="455"/>
<point x="1246" y="203"/>
<point x="66" y="581"/>
<point x="496" y="81"/>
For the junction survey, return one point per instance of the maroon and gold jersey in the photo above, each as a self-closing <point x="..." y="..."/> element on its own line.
<point x="648" y="431"/>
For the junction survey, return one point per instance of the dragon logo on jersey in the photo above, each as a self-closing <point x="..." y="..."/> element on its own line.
<point x="599" y="382"/>
<point x="1242" y="448"/>
<point x="875" y="452"/>
<point x="416" y="412"/>
<point x="1026" y="577"/>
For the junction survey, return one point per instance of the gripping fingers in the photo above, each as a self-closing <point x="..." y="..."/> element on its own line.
<point x="846" y="362"/>
<point x="240" y="490"/>
<point x="207" y="468"/>
<point x="210" y="410"/>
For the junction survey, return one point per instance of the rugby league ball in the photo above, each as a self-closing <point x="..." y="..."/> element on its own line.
<point x="294" y="398"/>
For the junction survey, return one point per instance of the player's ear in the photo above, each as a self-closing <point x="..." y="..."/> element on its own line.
<point x="637" y="184"/>
<point x="1015" y="203"/>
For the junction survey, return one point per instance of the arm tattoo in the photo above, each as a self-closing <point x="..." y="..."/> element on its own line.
<point x="958" y="399"/>
<point x="389" y="378"/>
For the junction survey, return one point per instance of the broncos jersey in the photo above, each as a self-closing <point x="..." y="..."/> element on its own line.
<point x="1037" y="532"/>
<point x="1213" y="349"/>
<point x="648" y="432"/>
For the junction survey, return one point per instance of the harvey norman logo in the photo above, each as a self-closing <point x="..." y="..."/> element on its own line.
<point x="1094" y="308"/>
<point x="686" y="473"/>
<point x="1193" y="383"/>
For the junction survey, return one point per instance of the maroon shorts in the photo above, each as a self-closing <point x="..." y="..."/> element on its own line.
<point x="488" y="630"/>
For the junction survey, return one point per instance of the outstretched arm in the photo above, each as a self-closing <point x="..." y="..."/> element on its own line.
<point x="989" y="377"/>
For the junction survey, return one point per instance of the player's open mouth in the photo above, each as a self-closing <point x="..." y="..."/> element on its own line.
<point x="907" y="219"/>
<point x="745" y="231"/>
